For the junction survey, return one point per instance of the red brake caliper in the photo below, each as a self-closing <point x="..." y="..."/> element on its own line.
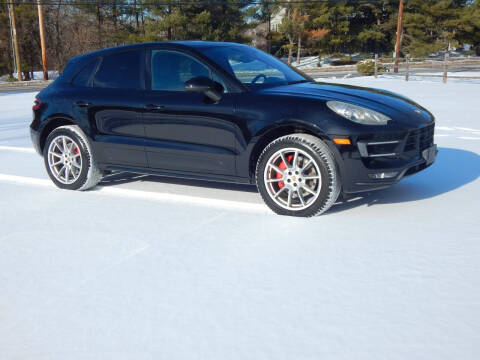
<point x="283" y="166"/>
<point x="76" y="150"/>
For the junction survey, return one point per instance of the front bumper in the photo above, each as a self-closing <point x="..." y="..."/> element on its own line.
<point x="377" y="161"/>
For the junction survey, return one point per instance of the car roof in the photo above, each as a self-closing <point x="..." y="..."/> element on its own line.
<point x="195" y="44"/>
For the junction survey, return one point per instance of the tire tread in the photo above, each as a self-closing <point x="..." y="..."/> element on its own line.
<point x="322" y="150"/>
<point x="94" y="174"/>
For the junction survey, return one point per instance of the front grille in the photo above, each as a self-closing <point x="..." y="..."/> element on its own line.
<point x="397" y="145"/>
<point x="382" y="148"/>
<point x="420" y="139"/>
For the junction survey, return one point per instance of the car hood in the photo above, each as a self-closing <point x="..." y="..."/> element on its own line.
<point x="393" y="105"/>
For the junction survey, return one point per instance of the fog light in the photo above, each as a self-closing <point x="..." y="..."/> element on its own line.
<point x="383" y="175"/>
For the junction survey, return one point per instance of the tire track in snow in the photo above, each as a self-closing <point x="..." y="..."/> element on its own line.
<point x="148" y="195"/>
<point x="458" y="132"/>
<point x="17" y="149"/>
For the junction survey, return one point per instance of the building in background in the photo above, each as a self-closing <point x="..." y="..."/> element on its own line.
<point x="277" y="19"/>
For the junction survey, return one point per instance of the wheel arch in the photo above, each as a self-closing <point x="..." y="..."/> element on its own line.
<point x="53" y="123"/>
<point x="269" y="134"/>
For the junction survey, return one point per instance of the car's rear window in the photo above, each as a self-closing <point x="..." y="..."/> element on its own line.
<point x="84" y="77"/>
<point x="119" y="71"/>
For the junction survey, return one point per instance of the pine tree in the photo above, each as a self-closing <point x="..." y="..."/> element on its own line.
<point x="469" y="25"/>
<point x="430" y="26"/>
<point x="335" y="18"/>
<point x="6" y="65"/>
<point x="369" y="26"/>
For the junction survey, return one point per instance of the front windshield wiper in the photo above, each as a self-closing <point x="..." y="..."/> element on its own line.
<point x="297" y="82"/>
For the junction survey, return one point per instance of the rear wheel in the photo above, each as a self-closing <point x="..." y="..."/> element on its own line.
<point x="296" y="175"/>
<point x="69" y="160"/>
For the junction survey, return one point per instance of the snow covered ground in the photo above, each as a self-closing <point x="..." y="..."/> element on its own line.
<point x="152" y="268"/>
<point x="452" y="73"/>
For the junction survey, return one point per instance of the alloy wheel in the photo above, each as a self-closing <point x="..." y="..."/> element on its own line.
<point x="292" y="179"/>
<point x="64" y="159"/>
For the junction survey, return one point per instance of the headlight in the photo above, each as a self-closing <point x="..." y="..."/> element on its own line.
<point x="358" y="114"/>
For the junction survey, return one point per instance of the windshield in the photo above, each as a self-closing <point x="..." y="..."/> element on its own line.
<point x="253" y="67"/>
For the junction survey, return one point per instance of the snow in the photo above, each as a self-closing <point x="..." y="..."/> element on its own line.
<point x="450" y="73"/>
<point x="459" y="77"/>
<point x="38" y="75"/>
<point x="154" y="268"/>
<point x="310" y="62"/>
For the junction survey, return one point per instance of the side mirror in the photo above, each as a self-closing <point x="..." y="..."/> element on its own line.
<point x="204" y="85"/>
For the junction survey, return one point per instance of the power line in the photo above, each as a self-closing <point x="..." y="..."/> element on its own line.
<point x="182" y="2"/>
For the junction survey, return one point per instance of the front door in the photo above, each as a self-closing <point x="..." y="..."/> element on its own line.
<point x="186" y="131"/>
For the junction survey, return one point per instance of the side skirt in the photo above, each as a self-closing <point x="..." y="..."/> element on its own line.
<point x="177" y="174"/>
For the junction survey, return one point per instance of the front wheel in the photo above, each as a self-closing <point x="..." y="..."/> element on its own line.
<point x="296" y="175"/>
<point x="69" y="160"/>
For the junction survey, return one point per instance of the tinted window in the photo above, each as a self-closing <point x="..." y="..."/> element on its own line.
<point x="119" y="71"/>
<point x="170" y="70"/>
<point x="84" y="77"/>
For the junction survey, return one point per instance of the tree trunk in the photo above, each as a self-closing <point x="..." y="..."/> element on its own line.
<point x="114" y="14"/>
<point x="169" y="29"/>
<point x="99" y="25"/>
<point x="299" y="50"/>
<point x="58" y="38"/>
<point x="136" y="14"/>
<point x="269" y="35"/>
<point x="290" y="53"/>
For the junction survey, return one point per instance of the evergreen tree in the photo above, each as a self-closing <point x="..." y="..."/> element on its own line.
<point x="369" y="26"/>
<point x="468" y="30"/>
<point x="75" y="26"/>
<point x="430" y="26"/>
<point x="6" y="65"/>
<point x="335" y="17"/>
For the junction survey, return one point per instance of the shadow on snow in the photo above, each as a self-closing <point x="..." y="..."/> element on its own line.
<point x="453" y="169"/>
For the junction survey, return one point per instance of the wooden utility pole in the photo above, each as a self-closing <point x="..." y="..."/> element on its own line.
<point x="42" y="40"/>
<point x="11" y="14"/>
<point x="399" y="34"/>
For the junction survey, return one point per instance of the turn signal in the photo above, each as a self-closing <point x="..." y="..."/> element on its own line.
<point x="340" y="141"/>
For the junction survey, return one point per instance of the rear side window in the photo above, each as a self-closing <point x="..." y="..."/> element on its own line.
<point x="119" y="71"/>
<point x="84" y="77"/>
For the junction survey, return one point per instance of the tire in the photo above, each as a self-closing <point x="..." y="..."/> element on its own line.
<point x="75" y="168"/>
<point x="307" y="184"/>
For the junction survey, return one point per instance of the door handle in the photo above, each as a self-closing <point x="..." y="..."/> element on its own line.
<point x="154" y="107"/>
<point x="82" y="103"/>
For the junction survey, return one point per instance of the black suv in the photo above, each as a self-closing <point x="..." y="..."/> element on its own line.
<point x="226" y="112"/>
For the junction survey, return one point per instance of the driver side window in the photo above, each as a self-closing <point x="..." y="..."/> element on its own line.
<point x="171" y="69"/>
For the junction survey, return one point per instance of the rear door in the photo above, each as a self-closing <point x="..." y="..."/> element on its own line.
<point x="185" y="131"/>
<point x="114" y="105"/>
